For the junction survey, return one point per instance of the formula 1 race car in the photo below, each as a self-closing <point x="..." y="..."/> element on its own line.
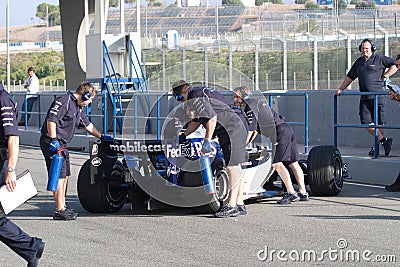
<point x="153" y="173"/>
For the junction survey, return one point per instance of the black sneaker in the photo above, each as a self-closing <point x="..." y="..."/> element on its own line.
<point x="74" y="213"/>
<point x="303" y="196"/>
<point x="387" y="145"/>
<point x="65" y="214"/>
<point x="227" y="211"/>
<point x="372" y="151"/>
<point x="288" y="198"/>
<point x="395" y="187"/>
<point x="242" y="209"/>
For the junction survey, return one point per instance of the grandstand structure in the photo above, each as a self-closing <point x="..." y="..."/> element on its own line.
<point x="188" y="21"/>
<point x="269" y="21"/>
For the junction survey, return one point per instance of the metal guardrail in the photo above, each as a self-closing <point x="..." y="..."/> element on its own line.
<point x="376" y="126"/>
<point x="306" y="118"/>
<point x="157" y="110"/>
<point x="41" y="113"/>
<point x="159" y="119"/>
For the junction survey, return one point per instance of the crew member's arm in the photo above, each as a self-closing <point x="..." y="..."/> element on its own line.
<point x="210" y="127"/>
<point x="347" y="81"/>
<point x="251" y="136"/>
<point x="93" y="130"/>
<point x="52" y="129"/>
<point x="26" y="85"/>
<point x="193" y="125"/>
<point x="13" y="149"/>
<point x="391" y="70"/>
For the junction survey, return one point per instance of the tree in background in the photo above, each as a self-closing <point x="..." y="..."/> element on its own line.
<point x="232" y="3"/>
<point x="52" y="15"/>
<point x="311" y="5"/>
<point x="115" y="3"/>
<point x="261" y="2"/>
<point x="307" y="25"/>
<point x="154" y="3"/>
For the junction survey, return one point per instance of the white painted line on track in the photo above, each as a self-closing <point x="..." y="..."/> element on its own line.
<point x="366" y="185"/>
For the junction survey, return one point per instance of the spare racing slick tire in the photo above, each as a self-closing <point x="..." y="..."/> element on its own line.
<point x="101" y="196"/>
<point x="325" y="171"/>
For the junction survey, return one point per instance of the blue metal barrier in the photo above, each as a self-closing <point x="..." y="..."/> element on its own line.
<point x="157" y="109"/>
<point x="336" y="125"/>
<point x="39" y="112"/>
<point x="306" y="118"/>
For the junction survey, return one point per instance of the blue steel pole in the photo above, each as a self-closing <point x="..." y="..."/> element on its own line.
<point x="306" y="123"/>
<point x="39" y="117"/>
<point x="104" y="93"/>
<point x="376" y="121"/>
<point x="158" y="118"/>
<point x="135" y="115"/>
<point x="104" y="108"/>
<point x="335" y="121"/>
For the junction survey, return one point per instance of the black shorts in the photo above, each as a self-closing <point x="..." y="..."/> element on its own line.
<point x="48" y="155"/>
<point x="286" y="149"/>
<point x="367" y="111"/>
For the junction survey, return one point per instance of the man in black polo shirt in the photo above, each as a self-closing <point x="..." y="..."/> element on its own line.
<point x="214" y="112"/>
<point x="370" y="69"/>
<point x="64" y="115"/>
<point x="29" y="248"/>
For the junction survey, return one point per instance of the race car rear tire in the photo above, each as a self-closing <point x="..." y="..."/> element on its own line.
<point x="100" y="197"/>
<point x="325" y="171"/>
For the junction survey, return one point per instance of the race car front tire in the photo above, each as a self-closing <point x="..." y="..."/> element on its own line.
<point x="100" y="197"/>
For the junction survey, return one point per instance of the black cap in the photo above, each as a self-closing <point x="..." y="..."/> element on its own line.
<point x="178" y="84"/>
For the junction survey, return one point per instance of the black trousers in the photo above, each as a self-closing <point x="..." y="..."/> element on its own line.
<point x="17" y="240"/>
<point x="29" y="102"/>
<point x="11" y="235"/>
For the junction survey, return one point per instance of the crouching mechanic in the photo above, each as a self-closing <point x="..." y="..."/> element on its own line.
<point x="213" y="111"/>
<point x="64" y="115"/>
<point x="29" y="248"/>
<point x="261" y="119"/>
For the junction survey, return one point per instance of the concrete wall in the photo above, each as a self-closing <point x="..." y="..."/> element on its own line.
<point x="354" y="143"/>
<point x="72" y="14"/>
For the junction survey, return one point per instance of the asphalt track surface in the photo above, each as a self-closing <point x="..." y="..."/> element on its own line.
<point x="329" y="231"/>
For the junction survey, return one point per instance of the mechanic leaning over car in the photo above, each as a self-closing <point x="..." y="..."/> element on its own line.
<point x="213" y="111"/>
<point x="64" y="115"/>
<point x="261" y="118"/>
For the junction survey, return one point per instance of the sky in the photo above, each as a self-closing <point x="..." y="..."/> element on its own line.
<point x="21" y="11"/>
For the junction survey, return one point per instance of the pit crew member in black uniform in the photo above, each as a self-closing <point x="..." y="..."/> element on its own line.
<point x="395" y="187"/>
<point x="29" y="248"/>
<point x="213" y="111"/>
<point x="64" y="115"/>
<point x="370" y="69"/>
<point x="262" y="119"/>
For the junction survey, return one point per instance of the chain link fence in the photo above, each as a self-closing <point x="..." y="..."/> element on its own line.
<point x="277" y="46"/>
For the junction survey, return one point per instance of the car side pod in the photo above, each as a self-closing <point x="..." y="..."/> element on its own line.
<point x="207" y="175"/>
